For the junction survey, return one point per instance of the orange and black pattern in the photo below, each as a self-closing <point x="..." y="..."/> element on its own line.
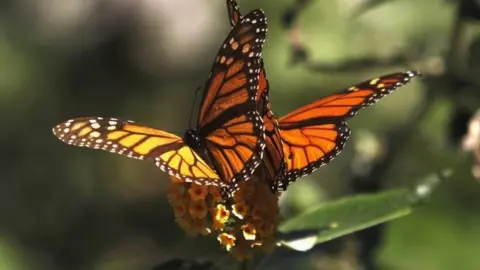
<point x="273" y="159"/>
<point x="308" y="147"/>
<point x="314" y="134"/>
<point x="274" y="155"/>
<point x="345" y="104"/>
<point x="139" y="142"/>
<point x="233" y="80"/>
<point x="228" y="116"/>
<point x="235" y="148"/>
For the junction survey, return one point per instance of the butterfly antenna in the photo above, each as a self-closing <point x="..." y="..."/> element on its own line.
<point x="193" y="106"/>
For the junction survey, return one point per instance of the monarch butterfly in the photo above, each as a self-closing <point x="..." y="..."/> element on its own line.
<point x="313" y="135"/>
<point x="229" y="135"/>
<point x="273" y="160"/>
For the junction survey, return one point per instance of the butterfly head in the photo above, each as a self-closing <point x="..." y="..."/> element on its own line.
<point x="193" y="139"/>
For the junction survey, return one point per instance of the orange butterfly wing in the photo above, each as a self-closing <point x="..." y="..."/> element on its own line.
<point x="274" y="155"/>
<point x="314" y="134"/>
<point x="345" y="104"/>
<point x="273" y="159"/>
<point x="308" y="147"/>
<point x="129" y="139"/>
<point x="228" y="120"/>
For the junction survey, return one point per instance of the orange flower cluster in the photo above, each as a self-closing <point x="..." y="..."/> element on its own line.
<point x="247" y="223"/>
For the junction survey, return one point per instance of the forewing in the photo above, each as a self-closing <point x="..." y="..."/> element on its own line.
<point x="233" y="129"/>
<point x="136" y="141"/>
<point x="233" y="81"/>
<point x="343" y="105"/>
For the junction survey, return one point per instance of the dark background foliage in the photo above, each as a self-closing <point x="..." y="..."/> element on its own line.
<point x="69" y="208"/>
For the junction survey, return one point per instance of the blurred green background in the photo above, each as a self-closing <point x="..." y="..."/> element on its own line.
<point x="73" y="208"/>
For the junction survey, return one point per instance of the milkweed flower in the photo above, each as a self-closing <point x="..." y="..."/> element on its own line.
<point x="245" y="223"/>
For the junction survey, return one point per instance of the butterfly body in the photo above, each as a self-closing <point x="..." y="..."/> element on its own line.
<point x="193" y="139"/>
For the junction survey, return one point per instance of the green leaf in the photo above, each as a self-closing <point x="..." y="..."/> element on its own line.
<point x="344" y="216"/>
